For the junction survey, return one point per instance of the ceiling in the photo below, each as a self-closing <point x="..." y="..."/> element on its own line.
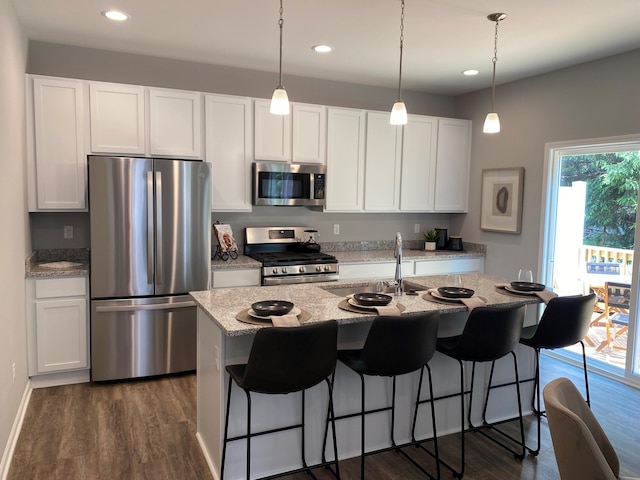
<point x="441" y="37"/>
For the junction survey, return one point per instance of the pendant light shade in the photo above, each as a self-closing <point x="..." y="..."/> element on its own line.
<point x="279" y="102"/>
<point x="398" y="114"/>
<point x="399" y="111"/>
<point x="492" y="122"/>
<point x="280" y="99"/>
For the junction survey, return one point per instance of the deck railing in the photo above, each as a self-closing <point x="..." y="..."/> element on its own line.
<point x="607" y="261"/>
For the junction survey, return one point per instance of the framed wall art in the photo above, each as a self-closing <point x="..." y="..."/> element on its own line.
<point x="502" y="190"/>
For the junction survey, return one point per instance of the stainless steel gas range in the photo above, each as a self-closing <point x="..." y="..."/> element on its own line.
<point x="289" y="255"/>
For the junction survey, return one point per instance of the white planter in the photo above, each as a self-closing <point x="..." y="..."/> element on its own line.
<point x="429" y="245"/>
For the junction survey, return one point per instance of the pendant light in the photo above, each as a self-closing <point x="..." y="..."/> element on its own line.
<point x="280" y="100"/>
<point x="492" y="122"/>
<point x="399" y="111"/>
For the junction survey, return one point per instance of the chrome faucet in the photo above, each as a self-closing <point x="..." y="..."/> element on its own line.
<point x="398" y="255"/>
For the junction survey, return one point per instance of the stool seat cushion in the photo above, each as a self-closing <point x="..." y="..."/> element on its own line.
<point x="395" y="345"/>
<point x="288" y="359"/>
<point x="489" y="334"/>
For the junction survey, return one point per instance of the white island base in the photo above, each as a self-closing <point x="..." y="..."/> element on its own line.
<point x="221" y="343"/>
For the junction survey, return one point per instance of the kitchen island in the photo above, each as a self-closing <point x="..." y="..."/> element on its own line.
<point x="223" y="340"/>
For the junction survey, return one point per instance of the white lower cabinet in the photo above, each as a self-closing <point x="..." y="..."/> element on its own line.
<point x="57" y="327"/>
<point x="373" y="270"/>
<point x="410" y="268"/>
<point x="247" y="277"/>
<point x="450" y="265"/>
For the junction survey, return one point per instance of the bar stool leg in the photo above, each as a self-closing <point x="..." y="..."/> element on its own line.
<point x="521" y="442"/>
<point x="248" y="434"/>
<point x="226" y="429"/>
<point x="333" y="428"/>
<point x="304" y="458"/>
<point x="433" y="419"/>
<point x="362" y="416"/>
<point x="393" y="412"/>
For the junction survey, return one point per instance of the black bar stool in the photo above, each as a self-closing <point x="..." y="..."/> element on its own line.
<point x="565" y="322"/>
<point x="394" y="346"/>
<point x="490" y="333"/>
<point x="285" y="360"/>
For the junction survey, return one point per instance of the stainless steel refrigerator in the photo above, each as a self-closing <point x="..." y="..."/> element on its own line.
<point x="150" y="223"/>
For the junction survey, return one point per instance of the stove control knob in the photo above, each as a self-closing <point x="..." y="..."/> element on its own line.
<point x="327" y="268"/>
<point x="275" y="270"/>
<point x="319" y="268"/>
<point x="284" y="269"/>
<point x="302" y="269"/>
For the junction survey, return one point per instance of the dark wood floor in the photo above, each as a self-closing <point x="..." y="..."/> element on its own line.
<point x="146" y="430"/>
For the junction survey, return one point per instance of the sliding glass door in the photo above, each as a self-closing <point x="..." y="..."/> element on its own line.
<point x="589" y="243"/>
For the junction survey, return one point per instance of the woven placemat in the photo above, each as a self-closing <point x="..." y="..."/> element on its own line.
<point x="243" y="316"/>
<point x="345" y="305"/>
<point x="454" y="301"/>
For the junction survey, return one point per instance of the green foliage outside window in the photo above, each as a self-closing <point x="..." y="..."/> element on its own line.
<point x="612" y="195"/>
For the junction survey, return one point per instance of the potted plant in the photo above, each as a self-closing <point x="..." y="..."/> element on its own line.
<point x="430" y="237"/>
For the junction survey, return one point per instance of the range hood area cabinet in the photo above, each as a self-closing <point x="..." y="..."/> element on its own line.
<point x="296" y="138"/>
<point x="429" y="171"/>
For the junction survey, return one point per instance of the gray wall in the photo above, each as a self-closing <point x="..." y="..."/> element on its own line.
<point x="595" y="99"/>
<point x="13" y="208"/>
<point x="91" y="64"/>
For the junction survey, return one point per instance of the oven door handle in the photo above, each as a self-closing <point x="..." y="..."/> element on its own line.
<point x="292" y="279"/>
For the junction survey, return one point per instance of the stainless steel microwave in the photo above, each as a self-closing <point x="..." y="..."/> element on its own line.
<point x="288" y="184"/>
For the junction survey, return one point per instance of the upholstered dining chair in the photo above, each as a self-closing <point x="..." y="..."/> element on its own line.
<point x="582" y="449"/>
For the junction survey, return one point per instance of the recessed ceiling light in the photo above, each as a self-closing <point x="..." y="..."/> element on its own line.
<point x="322" y="48"/>
<point x="471" y="72"/>
<point x="116" y="15"/>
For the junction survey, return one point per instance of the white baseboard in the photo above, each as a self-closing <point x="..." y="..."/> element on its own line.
<point x="205" y="452"/>
<point x="15" y="432"/>
<point x="61" y="378"/>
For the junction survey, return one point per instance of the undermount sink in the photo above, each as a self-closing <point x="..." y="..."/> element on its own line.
<point x="60" y="265"/>
<point x="344" y="291"/>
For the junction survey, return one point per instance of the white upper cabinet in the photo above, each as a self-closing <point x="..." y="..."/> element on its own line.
<point x="297" y="138"/>
<point x="228" y="139"/>
<point x="419" y="142"/>
<point x="272" y="133"/>
<point x="452" y="165"/>
<point x="133" y="120"/>
<point x="175" y="123"/>
<point x="117" y="118"/>
<point x="57" y="160"/>
<point x="382" y="165"/>
<point x="309" y="133"/>
<point x="345" y="160"/>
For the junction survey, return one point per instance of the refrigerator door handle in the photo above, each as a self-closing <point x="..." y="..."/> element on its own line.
<point x="159" y="228"/>
<point x="129" y="308"/>
<point x="150" y="254"/>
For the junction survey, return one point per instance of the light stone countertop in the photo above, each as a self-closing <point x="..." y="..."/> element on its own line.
<point x="241" y="262"/>
<point x="36" y="270"/>
<point x="222" y="305"/>
<point x="353" y="256"/>
<point x="407" y="254"/>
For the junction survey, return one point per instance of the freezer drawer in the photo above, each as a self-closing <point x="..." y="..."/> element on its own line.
<point x="133" y="338"/>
